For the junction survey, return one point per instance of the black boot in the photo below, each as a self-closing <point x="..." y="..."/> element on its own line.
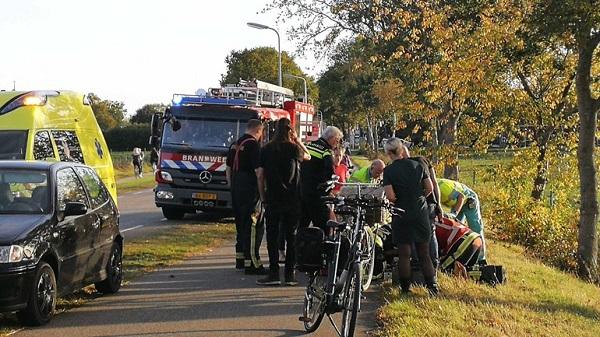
<point x="290" y="278"/>
<point x="271" y="280"/>
<point x="405" y="286"/>
<point x="239" y="264"/>
<point x="432" y="287"/>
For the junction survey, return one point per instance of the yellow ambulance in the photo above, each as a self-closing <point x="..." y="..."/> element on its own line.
<point x="54" y="125"/>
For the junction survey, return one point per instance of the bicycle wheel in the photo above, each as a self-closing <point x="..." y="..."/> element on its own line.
<point x="351" y="302"/>
<point x="314" y="304"/>
<point x="368" y="264"/>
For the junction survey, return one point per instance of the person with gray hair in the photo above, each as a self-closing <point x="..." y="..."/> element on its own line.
<point x="407" y="184"/>
<point x="314" y="173"/>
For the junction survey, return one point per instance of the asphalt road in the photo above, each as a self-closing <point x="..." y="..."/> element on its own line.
<point x="139" y="216"/>
<point x="203" y="296"/>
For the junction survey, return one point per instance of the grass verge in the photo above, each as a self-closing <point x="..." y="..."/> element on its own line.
<point x="135" y="184"/>
<point x="145" y="255"/>
<point x="536" y="301"/>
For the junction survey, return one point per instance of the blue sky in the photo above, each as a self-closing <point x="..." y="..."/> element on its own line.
<point x="129" y="50"/>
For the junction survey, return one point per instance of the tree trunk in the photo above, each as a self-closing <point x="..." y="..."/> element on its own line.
<point x="370" y="133"/>
<point x="541" y="178"/>
<point x="435" y="158"/>
<point x="448" y="138"/>
<point x="587" y="252"/>
<point x="376" y="136"/>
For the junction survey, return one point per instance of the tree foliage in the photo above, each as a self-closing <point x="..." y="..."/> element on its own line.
<point x="578" y="22"/>
<point x="109" y="114"/>
<point x="144" y="114"/>
<point x="463" y="72"/>
<point x="262" y="63"/>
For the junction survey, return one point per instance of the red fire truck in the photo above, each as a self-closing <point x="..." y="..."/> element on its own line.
<point x="194" y="135"/>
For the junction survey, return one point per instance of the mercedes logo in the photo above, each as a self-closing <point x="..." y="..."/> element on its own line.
<point x="205" y="177"/>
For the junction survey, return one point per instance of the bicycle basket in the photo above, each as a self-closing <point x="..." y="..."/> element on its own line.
<point x="309" y="249"/>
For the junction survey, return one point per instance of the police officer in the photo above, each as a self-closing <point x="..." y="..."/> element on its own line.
<point x="314" y="173"/>
<point x="242" y="166"/>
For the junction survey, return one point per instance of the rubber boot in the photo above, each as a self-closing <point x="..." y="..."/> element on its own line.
<point x="405" y="285"/>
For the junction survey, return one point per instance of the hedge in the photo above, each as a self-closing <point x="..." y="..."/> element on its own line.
<point x="127" y="137"/>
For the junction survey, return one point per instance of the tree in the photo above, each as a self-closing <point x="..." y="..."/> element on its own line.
<point x="109" y="114"/>
<point x="262" y="63"/>
<point x="448" y="53"/>
<point x="144" y="114"/>
<point x="578" y="22"/>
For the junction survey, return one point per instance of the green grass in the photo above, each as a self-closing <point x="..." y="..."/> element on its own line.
<point x="145" y="255"/>
<point x="130" y="185"/>
<point x="536" y="301"/>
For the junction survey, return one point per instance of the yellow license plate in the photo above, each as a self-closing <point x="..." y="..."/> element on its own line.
<point x="205" y="196"/>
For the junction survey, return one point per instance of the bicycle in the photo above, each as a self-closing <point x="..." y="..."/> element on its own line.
<point x="327" y="292"/>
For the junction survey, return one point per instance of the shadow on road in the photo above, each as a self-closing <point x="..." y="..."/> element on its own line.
<point x="204" y="296"/>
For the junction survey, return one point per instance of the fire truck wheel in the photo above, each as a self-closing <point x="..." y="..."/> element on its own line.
<point x="172" y="213"/>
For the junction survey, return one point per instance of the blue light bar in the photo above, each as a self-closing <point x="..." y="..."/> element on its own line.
<point x="192" y="99"/>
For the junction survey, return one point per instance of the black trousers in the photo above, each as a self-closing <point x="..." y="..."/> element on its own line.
<point x="282" y="223"/>
<point x="314" y="210"/>
<point x="249" y="227"/>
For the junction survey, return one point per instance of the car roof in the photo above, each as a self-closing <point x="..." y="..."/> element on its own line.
<point x="36" y="164"/>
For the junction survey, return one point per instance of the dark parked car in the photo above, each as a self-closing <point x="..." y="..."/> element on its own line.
<point x="59" y="232"/>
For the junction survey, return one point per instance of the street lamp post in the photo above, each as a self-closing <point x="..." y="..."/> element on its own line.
<point x="261" y="26"/>
<point x="304" y="80"/>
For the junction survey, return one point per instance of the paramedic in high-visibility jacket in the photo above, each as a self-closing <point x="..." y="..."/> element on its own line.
<point x="242" y="170"/>
<point x="314" y="173"/>
<point x="369" y="174"/>
<point x="463" y="203"/>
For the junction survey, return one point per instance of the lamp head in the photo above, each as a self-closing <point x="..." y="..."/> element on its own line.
<point x="257" y="25"/>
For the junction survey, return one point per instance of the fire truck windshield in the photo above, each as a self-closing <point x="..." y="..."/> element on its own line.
<point x="202" y="134"/>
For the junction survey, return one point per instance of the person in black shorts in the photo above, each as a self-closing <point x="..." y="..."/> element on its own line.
<point x="407" y="184"/>
<point x="279" y="189"/>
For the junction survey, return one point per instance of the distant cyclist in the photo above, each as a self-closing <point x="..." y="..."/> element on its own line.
<point x="137" y="158"/>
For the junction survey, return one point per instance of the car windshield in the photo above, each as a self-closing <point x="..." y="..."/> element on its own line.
<point x="198" y="133"/>
<point x="24" y="192"/>
<point x="13" y="144"/>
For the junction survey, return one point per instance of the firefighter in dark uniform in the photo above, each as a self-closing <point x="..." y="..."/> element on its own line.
<point x="314" y="173"/>
<point x="242" y="164"/>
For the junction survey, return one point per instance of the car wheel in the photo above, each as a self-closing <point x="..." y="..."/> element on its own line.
<point x="173" y="213"/>
<point x="42" y="297"/>
<point x="114" y="272"/>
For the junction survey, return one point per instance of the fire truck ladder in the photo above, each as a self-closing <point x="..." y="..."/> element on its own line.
<point x="258" y="93"/>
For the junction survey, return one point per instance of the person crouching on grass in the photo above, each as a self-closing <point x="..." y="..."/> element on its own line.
<point x="407" y="184"/>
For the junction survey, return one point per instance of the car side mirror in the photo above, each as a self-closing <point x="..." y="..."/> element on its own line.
<point x="75" y="208"/>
